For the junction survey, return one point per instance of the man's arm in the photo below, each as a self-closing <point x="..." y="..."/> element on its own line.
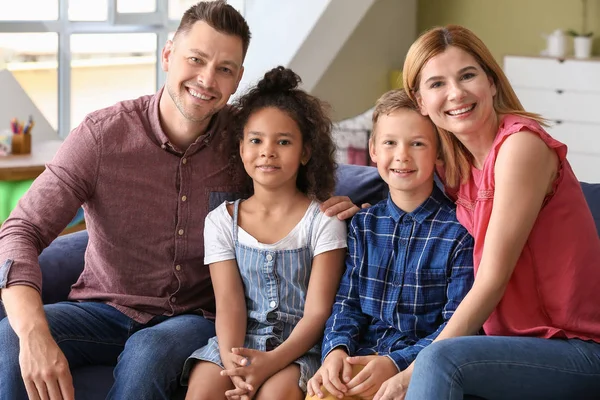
<point x="461" y="280"/>
<point x="47" y="207"/>
<point x="40" y="216"/>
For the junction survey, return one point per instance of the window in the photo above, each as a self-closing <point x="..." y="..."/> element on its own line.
<point x="29" y="10"/>
<point x="75" y="56"/>
<point x="86" y="10"/>
<point x="32" y="60"/>
<point x="126" y="62"/>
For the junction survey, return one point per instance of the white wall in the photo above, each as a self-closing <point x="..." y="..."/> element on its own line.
<point x="303" y="35"/>
<point x="327" y="38"/>
<point x="360" y="72"/>
<point x="16" y="104"/>
<point x="278" y="27"/>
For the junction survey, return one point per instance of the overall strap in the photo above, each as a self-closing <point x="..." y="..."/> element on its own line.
<point x="234" y="221"/>
<point x="311" y="226"/>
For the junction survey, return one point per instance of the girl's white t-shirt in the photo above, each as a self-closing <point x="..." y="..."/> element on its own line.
<point x="329" y="233"/>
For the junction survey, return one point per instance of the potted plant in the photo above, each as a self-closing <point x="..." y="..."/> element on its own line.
<point x="582" y="41"/>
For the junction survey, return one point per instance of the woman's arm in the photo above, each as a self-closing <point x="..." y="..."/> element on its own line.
<point x="231" y="308"/>
<point x="324" y="279"/>
<point x="524" y="172"/>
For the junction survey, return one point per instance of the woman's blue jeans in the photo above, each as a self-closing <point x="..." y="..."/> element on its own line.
<point x="495" y="367"/>
<point x="149" y="357"/>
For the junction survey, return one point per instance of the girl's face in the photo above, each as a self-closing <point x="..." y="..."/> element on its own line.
<point x="272" y="148"/>
<point x="456" y="93"/>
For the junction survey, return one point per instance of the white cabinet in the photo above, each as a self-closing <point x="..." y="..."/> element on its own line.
<point x="567" y="93"/>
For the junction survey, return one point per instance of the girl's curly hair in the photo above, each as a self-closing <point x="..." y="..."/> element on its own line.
<point x="279" y="89"/>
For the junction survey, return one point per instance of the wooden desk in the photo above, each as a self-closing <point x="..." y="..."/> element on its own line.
<point x="28" y="166"/>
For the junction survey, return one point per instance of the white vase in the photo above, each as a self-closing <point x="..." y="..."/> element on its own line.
<point x="582" y="46"/>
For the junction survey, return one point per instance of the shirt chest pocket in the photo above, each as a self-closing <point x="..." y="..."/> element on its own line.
<point x="423" y="291"/>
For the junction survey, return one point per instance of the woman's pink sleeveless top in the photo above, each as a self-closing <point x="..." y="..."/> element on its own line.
<point x="554" y="291"/>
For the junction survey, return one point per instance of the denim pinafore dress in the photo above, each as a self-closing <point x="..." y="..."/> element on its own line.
<point x="275" y="287"/>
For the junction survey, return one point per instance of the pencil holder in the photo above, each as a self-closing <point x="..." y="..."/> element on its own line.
<point x="21" y="144"/>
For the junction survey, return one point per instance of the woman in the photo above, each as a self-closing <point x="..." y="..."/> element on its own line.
<point x="536" y="254"/>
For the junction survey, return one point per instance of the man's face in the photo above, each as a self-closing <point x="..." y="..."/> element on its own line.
<point x="204" y="68"/>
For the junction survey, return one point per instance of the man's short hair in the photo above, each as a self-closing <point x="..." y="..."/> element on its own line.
<point x="220" y="16"/>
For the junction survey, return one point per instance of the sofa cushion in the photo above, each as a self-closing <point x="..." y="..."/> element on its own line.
<point x="592" y="195"/>
<point x="61" y="264"/>
<point x="362" y="184"/>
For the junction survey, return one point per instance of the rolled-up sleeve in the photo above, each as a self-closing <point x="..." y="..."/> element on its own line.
<point x="48" y="206"/>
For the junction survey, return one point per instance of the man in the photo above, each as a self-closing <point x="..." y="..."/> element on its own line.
<point x="147" y="172"/>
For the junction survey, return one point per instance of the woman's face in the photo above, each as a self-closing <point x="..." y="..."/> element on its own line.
<point x="456" y="93"/>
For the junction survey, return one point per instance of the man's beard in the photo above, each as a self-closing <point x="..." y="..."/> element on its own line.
<point x="178" y="101"/>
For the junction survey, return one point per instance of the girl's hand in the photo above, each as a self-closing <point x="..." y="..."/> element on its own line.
<point x="377" y="369"/>
<point x="242" y="389"/>
<point x="394" y="388"/>
<point x="254" y="370"/>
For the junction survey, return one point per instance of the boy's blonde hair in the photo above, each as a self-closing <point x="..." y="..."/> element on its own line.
<point x="394" y="100"/>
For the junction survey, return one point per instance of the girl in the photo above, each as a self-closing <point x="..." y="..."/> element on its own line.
<point x="275" y="259"/>
<point x="536" y="249"/>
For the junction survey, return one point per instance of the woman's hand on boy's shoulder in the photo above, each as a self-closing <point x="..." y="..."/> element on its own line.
<point x="341" y="206"/>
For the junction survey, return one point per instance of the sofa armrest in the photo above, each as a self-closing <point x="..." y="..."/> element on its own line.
<point x="62" y="263"/>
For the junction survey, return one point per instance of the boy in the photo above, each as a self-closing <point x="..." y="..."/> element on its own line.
<point x="409" y="263"/>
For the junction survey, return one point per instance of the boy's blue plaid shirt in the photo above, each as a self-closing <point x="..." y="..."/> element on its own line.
<point x="405" y="275"/>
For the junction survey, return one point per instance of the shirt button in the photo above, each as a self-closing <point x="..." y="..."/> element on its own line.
<point x="183" y="198"/>
<point x="180" y="232"/>
<point x="184" y="160"/>
<point x="269" y="258"/>
<point x="163" y="147"/>
<point x="178" y="267"/>
<point x="272" y="304"/>
<point x="173" y="299"/>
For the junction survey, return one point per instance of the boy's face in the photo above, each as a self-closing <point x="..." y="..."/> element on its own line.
<point x="405" y="148"/>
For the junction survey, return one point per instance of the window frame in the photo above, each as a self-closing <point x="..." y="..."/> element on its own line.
<point x="154" y="22"/>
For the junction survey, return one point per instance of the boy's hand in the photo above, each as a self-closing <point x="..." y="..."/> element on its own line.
<point x="377" y="370"/>
<point x="334" y="366"/>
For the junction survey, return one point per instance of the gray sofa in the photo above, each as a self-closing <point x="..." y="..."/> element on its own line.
<point x="62" y="263"/>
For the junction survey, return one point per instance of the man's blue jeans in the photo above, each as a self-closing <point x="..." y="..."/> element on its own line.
<point x="148" y="357"/>
<point x="495" y="367"/>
